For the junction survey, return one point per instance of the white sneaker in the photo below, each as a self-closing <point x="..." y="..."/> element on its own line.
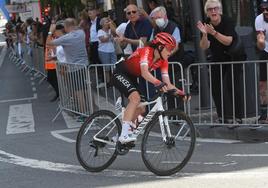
<point x="114" y="138"/>
<point x="127" y="138"/>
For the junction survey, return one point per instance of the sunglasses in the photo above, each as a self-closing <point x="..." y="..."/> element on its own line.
<point x="133" y="12"/>
<point x="213" y="8"/>
<point x="264" y="8"/>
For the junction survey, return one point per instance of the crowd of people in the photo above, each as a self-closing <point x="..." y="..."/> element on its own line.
<point x="94" y="38"/>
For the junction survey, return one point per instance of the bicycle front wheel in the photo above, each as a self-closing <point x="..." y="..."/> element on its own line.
<point x="96" y="141"/>
<point x="166" y="156"/>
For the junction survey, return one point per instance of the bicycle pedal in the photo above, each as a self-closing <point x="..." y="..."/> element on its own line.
<point x="121" y="149"/>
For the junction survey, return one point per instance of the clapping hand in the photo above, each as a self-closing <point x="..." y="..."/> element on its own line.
<point x="201" y="27"/>
<point x="210" y="29"/>
<point x="206" y="28"/>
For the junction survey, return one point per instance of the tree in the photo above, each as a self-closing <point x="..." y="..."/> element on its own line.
<point x="69" y="7"/>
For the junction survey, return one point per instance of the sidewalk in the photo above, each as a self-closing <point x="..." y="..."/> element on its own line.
<point x="242" y="133"/>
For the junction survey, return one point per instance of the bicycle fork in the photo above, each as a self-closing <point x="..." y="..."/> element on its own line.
<point x="164" y="127"/>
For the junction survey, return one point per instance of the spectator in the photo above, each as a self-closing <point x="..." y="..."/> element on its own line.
<point x="19" y="20"/>
<point x="120" y="30"/>
<point x="170" y="10"/>
<point x="74" y="50"/>
<point x="39" y="25"/>
<point x="94" y="28"/>
<point x="20" y="35"/>
<point x="106" y="48"/>
<point x="152" y="4"/>
<point x="74" y="47"/>
<point x="94" y="44"/>
<point x="218" y="34"/>
<point x="59" y="31"/>
<point x="163" y="24"/>
<point x="45" y="28"/>
<point x="138" y="29"/>
<point x="28" y="22"/>
<point x="35" y="36"/>
<point x="84" y="24"/>
<point x="50" y="66"/>
<point x="137" y="33"/>
<point x="261" y="26"/>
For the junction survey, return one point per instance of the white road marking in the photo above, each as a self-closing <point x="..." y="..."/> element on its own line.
<point x="219" y="141"/>
<point x="62" y="167"/>
<point x="223" y="164"/>
<point x="77" y="169"/>
<point x="70" y="121"/>
<point x="21" y="99"/>
<point x="246" y="155"/>
<point x="20" y="119"/>
<point x="57" y="134"/>
<point x="3" y="54"/>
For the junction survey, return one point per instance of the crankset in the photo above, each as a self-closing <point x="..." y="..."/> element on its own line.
<point x="123" y="149"/>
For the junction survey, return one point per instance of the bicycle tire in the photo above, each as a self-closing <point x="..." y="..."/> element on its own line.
<point x="155" y="151"/>
<point x="105" y="152"/>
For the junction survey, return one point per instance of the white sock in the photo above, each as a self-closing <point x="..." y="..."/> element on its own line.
<point x="125" y="128"/>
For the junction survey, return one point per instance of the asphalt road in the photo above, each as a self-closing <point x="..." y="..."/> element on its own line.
<point x="34" y="152"/>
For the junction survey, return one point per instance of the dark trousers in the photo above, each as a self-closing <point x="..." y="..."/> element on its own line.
<point x="263" y="66"/>
<point x="226" y="88"/>
<point x="94" y="59"/>
<point x="52" y="80"/>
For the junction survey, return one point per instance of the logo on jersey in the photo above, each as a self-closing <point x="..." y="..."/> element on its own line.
<point x="123" y="81"/>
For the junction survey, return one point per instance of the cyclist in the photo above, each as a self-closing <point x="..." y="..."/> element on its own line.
<point x="141" y="63"/>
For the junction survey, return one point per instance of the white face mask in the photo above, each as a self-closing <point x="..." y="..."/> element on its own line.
<point x="160" y="22"/>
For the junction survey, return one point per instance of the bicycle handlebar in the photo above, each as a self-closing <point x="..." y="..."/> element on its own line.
<point x="171" y="92"/>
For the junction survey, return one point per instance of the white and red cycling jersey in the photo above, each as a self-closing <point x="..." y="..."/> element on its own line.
<point x="144" y="56"/>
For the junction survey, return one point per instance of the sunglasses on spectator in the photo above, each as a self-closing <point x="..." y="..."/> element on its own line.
<point x="133" y="12"/>
<point x="264" y="8"/>
<point x="213" y="8"/>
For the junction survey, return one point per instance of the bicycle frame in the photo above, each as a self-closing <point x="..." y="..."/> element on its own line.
<point x="158" y="107"/>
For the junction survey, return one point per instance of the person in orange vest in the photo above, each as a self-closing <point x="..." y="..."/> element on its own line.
<point x="50" y="66"/>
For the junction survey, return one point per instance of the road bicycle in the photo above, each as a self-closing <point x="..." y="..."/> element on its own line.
<point x="168" y="139"/>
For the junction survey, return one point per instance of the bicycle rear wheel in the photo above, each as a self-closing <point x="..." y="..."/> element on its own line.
<point x="168" y="157"/>
<point x="97" y="154"/>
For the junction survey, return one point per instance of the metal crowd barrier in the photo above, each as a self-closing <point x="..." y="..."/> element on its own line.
<point x="30" y="60"/>
<point x="74" y="89"/>
<point x="84" y="90"/>
<point x="38" y="61"/>
<point x="231" y="86"/>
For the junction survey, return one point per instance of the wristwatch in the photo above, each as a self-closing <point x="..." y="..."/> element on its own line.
<point x="50" y="33"/>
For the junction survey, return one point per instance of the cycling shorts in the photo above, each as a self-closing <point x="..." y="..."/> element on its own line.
<point x="126" y="84"/>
